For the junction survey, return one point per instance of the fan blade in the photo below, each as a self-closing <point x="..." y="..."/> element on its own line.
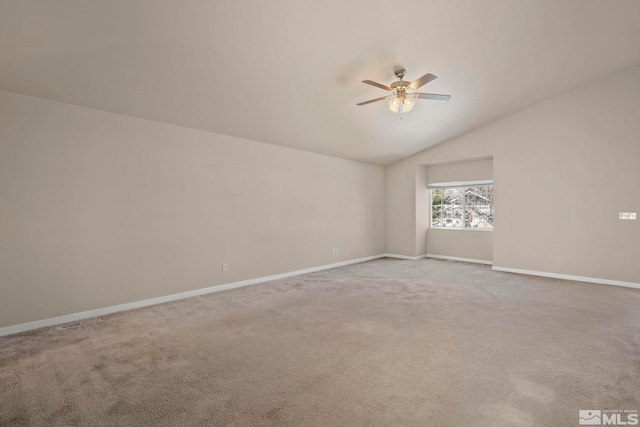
<point x="381" y="86"/>
<point x="422" y="81"/>
<point x="434" y="96"/>
<point x="372" y="100"/>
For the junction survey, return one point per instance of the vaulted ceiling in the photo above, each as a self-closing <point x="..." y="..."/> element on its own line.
<point x="288" y="72"/>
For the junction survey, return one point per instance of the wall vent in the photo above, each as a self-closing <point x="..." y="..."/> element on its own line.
<point x="79" y="323"/>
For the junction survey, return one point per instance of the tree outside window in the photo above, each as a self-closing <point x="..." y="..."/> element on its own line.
<point x="462" y="207"/>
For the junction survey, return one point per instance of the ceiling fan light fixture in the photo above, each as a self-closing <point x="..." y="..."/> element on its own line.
<point x="394" y="104"/>
<point x="407" y="104"/>
<point x="401" y="104"/>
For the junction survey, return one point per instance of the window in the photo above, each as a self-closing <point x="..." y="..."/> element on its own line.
<point x="461" y="206"/>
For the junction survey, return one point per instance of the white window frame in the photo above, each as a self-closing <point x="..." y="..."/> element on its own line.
<point x="456" y="184"/>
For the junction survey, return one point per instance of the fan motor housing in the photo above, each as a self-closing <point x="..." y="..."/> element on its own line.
<point x="399" y="84"/>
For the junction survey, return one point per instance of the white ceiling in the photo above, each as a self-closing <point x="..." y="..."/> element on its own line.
<point x="288" y="72"/>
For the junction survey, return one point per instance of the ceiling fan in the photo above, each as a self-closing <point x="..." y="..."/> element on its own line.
<point x="402" y="94"/>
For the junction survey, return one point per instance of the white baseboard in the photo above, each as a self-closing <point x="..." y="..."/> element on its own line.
<point x="413" y="258"/>
<point x="455" y="258"/>
<point x="14" y="329"/>
<point x="568" y="277"/>
<point x="451" y="258"/>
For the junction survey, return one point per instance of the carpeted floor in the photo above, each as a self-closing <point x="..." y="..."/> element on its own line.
<point x="382" y="343"/>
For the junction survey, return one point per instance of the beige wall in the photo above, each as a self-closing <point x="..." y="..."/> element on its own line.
<point x="400" y="209"/>
<point x="99" y="209"/>
<point x="562" y="171"/>
<point x="472" y="244"/>
<point x="471" y="170"/>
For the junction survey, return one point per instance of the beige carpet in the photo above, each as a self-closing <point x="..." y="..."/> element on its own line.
<point x="382" y="343"/>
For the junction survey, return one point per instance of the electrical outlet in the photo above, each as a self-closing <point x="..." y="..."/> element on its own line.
<point x="557" y="260"/>
<point x="225" y="267"/>
<point x="334" y="251"/>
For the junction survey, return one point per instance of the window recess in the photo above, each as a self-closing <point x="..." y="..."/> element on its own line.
<point x="462" y="205"/>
